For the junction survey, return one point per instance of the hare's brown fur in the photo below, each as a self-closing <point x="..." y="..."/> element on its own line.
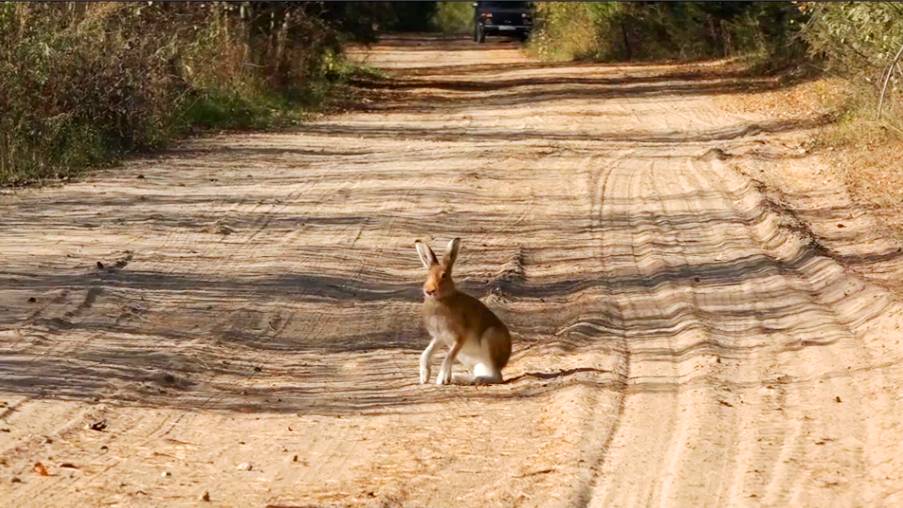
<point x="475" y="336"/>
<point x="463" y="312"/>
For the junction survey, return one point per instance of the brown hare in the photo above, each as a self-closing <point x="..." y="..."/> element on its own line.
<point x="475" y="336"/>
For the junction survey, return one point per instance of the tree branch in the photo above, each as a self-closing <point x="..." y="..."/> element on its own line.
<point x="888" y="74"/>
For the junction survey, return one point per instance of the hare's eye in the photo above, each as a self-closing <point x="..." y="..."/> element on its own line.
<point x="444" y="275"/>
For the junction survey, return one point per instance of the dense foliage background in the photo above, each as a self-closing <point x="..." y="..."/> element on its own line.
<point x="856" y="39"/>
<point x="645" y="30"/>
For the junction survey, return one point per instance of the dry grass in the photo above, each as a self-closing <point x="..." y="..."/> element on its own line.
<point x="800" y="99"/>
<point x="873" y="174"/>
<point x="866" y="154"/>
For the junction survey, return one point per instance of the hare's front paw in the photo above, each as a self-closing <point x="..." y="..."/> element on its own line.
<point x="424" y="375"/>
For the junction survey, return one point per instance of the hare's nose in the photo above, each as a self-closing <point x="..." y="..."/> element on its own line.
<point x="430" y="292"/>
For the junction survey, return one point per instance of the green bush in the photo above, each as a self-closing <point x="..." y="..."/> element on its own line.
<point x="454" y="17"/>
<point x="860" y="42"/>
<point x="856" y="39"/>
<point x="83" y="83"/>
<point x="571" y="30"/>
<point x="654" y="30"/>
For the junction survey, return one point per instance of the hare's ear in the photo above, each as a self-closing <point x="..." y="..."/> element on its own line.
<point x="451" y="253"/>
<point x="427" y="256"/>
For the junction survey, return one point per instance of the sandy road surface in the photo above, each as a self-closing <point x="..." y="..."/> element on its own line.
<point x="685" y="334"/>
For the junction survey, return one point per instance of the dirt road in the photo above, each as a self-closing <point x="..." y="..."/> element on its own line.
<point x="239" y="316"/>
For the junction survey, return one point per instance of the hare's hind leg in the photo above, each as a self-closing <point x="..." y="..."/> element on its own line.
<point x="485" y="370"/>
<point x="485" y="374"/>
<point x="467" y="362"/>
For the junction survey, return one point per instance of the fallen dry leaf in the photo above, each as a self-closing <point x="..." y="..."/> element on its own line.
<point x="40" y="469"/>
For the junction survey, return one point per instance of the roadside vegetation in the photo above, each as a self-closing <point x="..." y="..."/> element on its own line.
<point x="862" y="43"/>
<point x="454" y="17"/>
<point x="82" y="84"/>
<point x="657" y="30"/>
<point x="859" y="46"/>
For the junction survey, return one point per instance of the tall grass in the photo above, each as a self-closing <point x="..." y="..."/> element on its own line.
<point x="81" y="84"/>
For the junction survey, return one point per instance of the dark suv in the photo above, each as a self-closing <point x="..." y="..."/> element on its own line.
<point x="513" y="19"/>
